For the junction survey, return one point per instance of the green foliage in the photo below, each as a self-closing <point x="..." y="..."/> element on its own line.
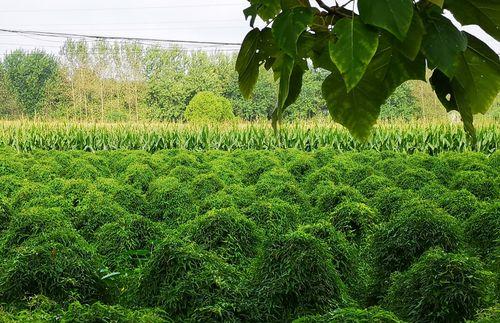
<point x="395" y="246"/>
<point x="225" y="232"/>
<point x="208" y="107"/>
<point x="181" y="277"/>
<point x="168" y="200"/>
<point x="402" y="104"/>
<point x="139" y="176"/>
<point x="415" y="178"/>
<point x="355" y="219"/>
<point x="59" y="264"/>
<point x="294" y="275"/>
<point x="96" y="312"/>
<point x="274" y="215"/>
<point x="440" y="287"/>
<point x="122" y="243"/>
<point x="28" y="75"/>
<point x="391" y="201"/>
<point x="371" y="185"/>
<point x="366" y="69"/>
<point x="482" y="230"/>
<point x="5" y="213"/>
<point x="478" y="183"/>
<point x="329" y="196"/>
<point x="460" y="204"/>
<point x="352" y="315"/>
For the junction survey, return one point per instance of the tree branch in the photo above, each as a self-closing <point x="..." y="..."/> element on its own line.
<point x="325" y="6"/>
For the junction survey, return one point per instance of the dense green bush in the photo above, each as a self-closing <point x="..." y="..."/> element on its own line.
<point x="320" y="177"/>
<point x="461" y="204"/>
<point x="98" y="312"/>
<point x="373" y="184"/>
<point x="390" y="201"/>
<point x="59" y="264"/>
<point x="5" y="213"/>
<point x="482" y="230"/>
<point x="327" y="197"/>
<point x="10" y="184"/>
<point x="206" y="184"/>
<point x="353" y="315"/>
<point x="169" y="200"/>
<point x="433" y="192"/>
<point x="488" y="315"/>
<point x="440" y="287"/>
<point x="96" y="209"/>
<point x="402" y="104"/>
<point x="294" y="275"/>
<point x="415" y="178"/>
<point x="30" y="223"/>
<point x="226" y="232"/>
<point x="208" y="107"/>
<point x="483" y="186"/>
<point x="139" y="176"/>
<point x="399" y="243"/>
<point x="301" y="166"/>
<point x="125" y="195"/>
<point x="181" y="277"/>
<point x="274" y="215"/>
<point x="354" y="219"/>
<point x="118" y="242"/>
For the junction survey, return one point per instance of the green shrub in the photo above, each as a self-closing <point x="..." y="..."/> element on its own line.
<point x="242" y="196"/>
<point x="395" y="246"/>
<point x="11" y="166"/>
<point x="353" y="315"/>
<point x="225" y="232"/>
<point x="58" y="264"/>
<point x="30" y="223"/>
<point x="433" y="192"/>
<point x="5" y="213"/>
<point x="125" y="195"/>
<point x="482" y="230"/>
<point x="206" y="184"/>
<point x="390" y="201"/>
<point x="183" y="173"/>
<point x="10" y="184"/>
<point x="329" y="196"/>
<point x="80" y="168"/>
<point x="344" y="256"/>
<point x="435" y="165"/>
<point x="29" y="191"/>
<point x="354" y="219"/>
<point x="227" y="169"/>
<point x="181" y="277"/>
<point x="257" y="162"/>
<point x="118" y="241"/>
<point x="301" y="167"/>
<point x="461" y="204"/>
<point x="440" y="287"/>
<point x="95" y="210"/>
<point x="372" y="184"/>
<point x="275" y="216"/>
<point x="393" y="166"/>
<point x="208" y="107"/>
<point x="321" y="177"/>
<point x="357" y="173"/>
<point x="219" y="200"/>
<point x="415" y="178"/>
<point x="294" y="275"/>
<point x="74" y="190"/>
<point x="273" y="177"/>
<point x="98" y="312"/>
<point x="139" y="176"/>
<point x="488" y="315"/>
<point x="169" y="200"/>
<point x="484" y="187"/>
<point x="41" y="172"/>
<point x="401" y="105"/>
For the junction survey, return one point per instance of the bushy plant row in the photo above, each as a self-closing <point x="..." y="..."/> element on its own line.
<point x="257" y="236"/>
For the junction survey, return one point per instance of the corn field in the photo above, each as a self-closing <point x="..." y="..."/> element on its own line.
<point x="432" y="138"/>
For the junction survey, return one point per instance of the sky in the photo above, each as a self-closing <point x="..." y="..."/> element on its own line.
<point x="199" y="20"/>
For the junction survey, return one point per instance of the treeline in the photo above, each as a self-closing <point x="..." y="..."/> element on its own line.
<point x="128" y="81"/>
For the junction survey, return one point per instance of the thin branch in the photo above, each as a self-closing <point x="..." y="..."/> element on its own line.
<point x="326" y="7"/>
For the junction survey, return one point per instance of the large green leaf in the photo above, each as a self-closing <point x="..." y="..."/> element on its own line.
<point x="392" y="15"/>
<point x="288" y="26"/>
<point x="359" y="109"/>
<point x="247" y="63"/>
<point x="438" y="3"/>
<point x="410" y="46"/>
<point x="353" y="50"/>
<point x="475" y="86"/>
<point x="485" y="13"/>
<point x="266" y="9"/>
<point x="479" y="75"/>
<point x="443" y="43"/>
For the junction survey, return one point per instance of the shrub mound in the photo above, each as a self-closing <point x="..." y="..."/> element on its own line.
<point x="415" y="178"/>
<point x="206" y="184"/>
<point x="483" y="186"/>
<point x="5" y="213"/>
<point x="460" y="204"/>
<point x="353" y="315"/>
<point x="294" y="275"/>
<point x="59" y="264"/>
<point x="440" y="287"/>
<point x="169" y="200"/>
<point x="226" y="232"/>
<point x="391" y="201"/>
<point x="395" y="246"/>
<point x="482" y="231"/>
<point x="354" y="219"/>
<point x="328" y="197"/>
<point x="180" y="277"/>
<point x="372" y="184"/>
<point x="273" y="215"/>
<point x="117" y="241"/>
<point x="139" y="176"/>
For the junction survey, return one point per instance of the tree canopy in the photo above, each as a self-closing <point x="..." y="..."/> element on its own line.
<point x="370" y="48"/>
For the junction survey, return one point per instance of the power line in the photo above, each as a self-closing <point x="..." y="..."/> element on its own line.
<point x="71" y="35"/>
<point x="204" y="5"/>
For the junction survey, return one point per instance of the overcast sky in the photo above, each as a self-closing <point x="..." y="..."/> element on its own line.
<point x="202" y="20"/>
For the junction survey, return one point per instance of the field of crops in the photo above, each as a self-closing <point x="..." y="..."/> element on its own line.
<point x="426" y="137"/>
<point x="247" y="235"/>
